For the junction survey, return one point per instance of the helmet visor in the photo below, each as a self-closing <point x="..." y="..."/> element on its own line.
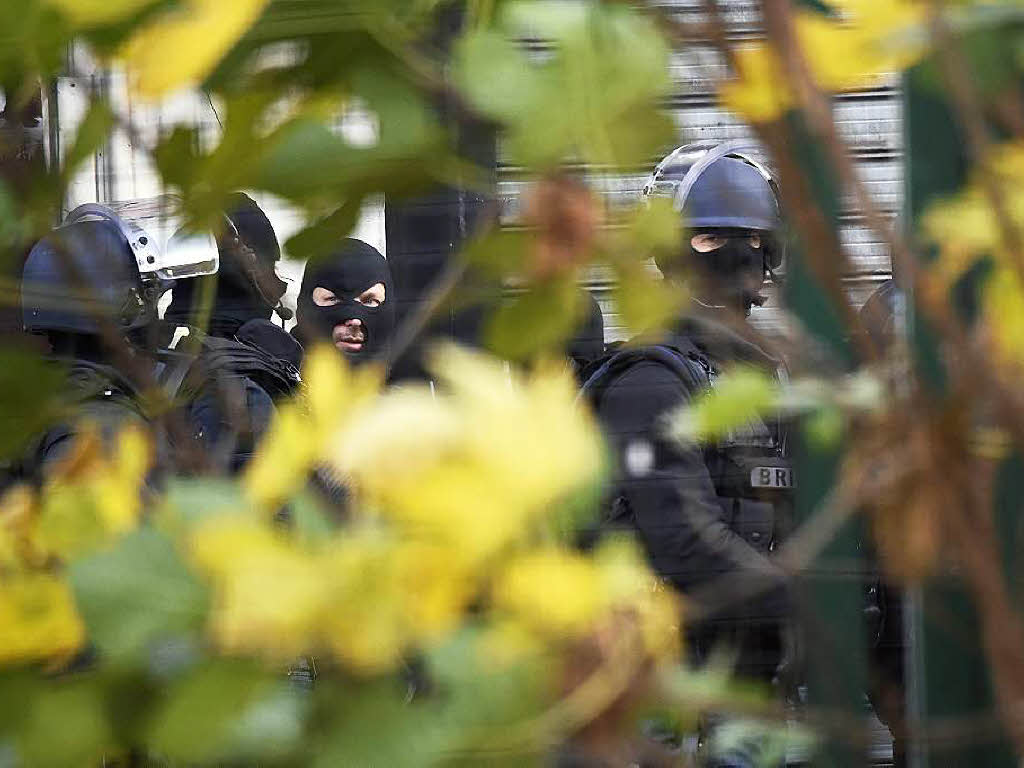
<point x="188" y="254"/>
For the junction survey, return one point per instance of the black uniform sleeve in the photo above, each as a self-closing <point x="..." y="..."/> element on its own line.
<point x="671" y="497"/>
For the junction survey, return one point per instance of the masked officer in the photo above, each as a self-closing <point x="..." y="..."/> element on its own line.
<point x="90" y="288"/>
<point x="348" y="300"/>
<point x="244" y="362"/>
<point x="708" y="516"/>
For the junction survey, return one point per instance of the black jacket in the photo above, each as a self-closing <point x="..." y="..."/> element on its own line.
<point x="667" y="492"/>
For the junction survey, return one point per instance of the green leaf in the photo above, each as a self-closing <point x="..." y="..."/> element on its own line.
<point x="228" y="709"/>
<point x="137" y="593"/>
<point x="309" y="521"/>
<point x="188" y="501"/>
<point x="321" y="238"/>
<point x="645" y="303"/>
<point x="741" y="396"/>
<point x="539" y="320"/>
<point x="30" y="390"/>
<point x="68" y="725"/>
<point x="374" y="724"/>
<point x="595" y="95"/>
<point x="92" y="132"/>
<point x="484" y="57"/>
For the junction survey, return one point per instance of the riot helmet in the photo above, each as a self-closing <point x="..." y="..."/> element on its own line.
<point x="95" y="269"/>
<point x="731" y="200"/>
<point x="347" y="299"/>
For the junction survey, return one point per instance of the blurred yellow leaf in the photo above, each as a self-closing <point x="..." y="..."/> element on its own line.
<point x="38" y="619"/>
<point x="966" y="226"/>
<point x="94" y="494"/>
<point x="17" y="510"/>
<point x="269" y="594"/>
<point x="630" y="584"/>
<point x="303" y="429"/>
<point x="388" y="595"/>
<point x="118" y="486"/>
<point x="488" y="452"/>
<point x="858" y="51"/>
<point x="555" y="592"/>
<point x="184" y="44"/>
<point x="1004" y="310"/>
<point x="94" y="13"/>
<point x="759" y="91"/>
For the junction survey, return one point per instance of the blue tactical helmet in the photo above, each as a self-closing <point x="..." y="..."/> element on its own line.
<point x="86" y="273"/>
<point x="719" y="187"/>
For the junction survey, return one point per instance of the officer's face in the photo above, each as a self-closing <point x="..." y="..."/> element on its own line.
<point x="349" y="336"/>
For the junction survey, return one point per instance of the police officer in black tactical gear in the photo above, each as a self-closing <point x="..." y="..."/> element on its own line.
<point x="244" y="361"/>
<point x="90" y="288"/>
<point x="708" y="516"/>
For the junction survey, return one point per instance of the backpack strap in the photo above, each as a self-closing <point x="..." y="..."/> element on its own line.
<point x="686" y="363"/>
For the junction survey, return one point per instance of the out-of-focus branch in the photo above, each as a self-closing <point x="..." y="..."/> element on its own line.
<point x="956" y="71"/>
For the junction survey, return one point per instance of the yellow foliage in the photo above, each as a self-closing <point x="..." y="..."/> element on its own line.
<point x="366" y="596"/>
<point x="474" y="465"/>
<point x="38" y="619"/>
<point x="269" y="593"/>
<point x="966" y="225"/>
<point x="1004" y="310"/>
<point x="17" y="512"/>
<point x="388" y="595"/>
<point x="555" y="592"/>
<point x="302" y="429"/>
<point x="629" y="584"/>
<point x="94" y="494"/>
<point x="855" y="52"/>
<point x="564" y="595"/>
<point x="759" y="92"/>
<point x="184" y="44"/>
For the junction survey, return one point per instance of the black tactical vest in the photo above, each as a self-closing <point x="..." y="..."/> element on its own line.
<point x="750" y="468"/>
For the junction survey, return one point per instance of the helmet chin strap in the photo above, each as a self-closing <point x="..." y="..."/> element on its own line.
<point x="267" y="286"/>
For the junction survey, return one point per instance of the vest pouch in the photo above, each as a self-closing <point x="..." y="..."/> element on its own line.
<point x="754" y="522"/>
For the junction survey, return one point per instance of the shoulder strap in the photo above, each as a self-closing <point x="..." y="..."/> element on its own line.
<point x="686" y="364"/>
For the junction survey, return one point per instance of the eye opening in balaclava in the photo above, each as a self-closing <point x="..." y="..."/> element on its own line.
<point x="352" y="269"/>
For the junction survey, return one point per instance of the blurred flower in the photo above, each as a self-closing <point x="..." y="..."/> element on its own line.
<point x="301" y="430"/>
<point x="555" y="592"/>
<point x="474" y="466"/>
<point x="389" y="595"/>
<point x="269" y="593"/>
<point x="872" y="39"/>
<point x="38" y="619"/>
<point x="94" y="494"/>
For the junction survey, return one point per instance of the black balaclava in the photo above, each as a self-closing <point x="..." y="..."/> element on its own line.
<point x="237" y="298"/>
<point x="350" y="270"/>
<point x="732" y="274"/>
